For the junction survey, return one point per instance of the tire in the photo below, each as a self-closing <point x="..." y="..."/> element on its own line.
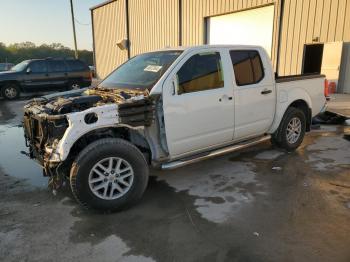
<point x="86" y="169"/>
<point x="291" y="131"/>
<point x="10" y="91"/>
<point x="274" y="141"/>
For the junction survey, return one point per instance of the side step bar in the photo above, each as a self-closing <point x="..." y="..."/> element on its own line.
<point x="218" y="152"/>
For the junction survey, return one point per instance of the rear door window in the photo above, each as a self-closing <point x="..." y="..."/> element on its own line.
<point x="201" y="72"/>
<point x="38" y="67"/>
<point x="76" y="65"/>
<point x="57" y="66"/>
<point x="247" y="66"/>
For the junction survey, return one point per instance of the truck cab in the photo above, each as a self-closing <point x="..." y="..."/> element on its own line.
<point x="166" y="109"/>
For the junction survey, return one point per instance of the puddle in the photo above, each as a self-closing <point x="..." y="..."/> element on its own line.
<point x="220" y="189"/>
<point x="329" y="153"/>
<point x="15" y="164"/>
<point x="269" y="155"/>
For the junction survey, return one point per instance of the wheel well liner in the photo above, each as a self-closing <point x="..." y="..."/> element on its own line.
<point x="125" y="133"/>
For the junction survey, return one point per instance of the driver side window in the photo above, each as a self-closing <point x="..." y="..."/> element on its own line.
<point x="38" y="67"/>
<point x="201" y="72"/>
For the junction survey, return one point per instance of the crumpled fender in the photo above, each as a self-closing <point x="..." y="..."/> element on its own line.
<point x="107" y="117"/>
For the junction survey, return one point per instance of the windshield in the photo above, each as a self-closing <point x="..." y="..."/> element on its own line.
<point x="20" y="67"/>
<point x="141" y="72"/>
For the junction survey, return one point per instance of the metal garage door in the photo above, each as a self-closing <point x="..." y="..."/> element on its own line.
<point x="252" y="27"/>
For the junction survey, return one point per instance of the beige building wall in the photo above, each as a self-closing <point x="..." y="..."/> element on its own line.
<point x="307" y="20"/>
<point x="154" y="24"/>
<point x="109" y="26"/>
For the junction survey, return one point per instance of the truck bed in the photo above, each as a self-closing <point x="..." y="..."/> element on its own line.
<point x="282" y="79"/>
<point x="312" y="84"/>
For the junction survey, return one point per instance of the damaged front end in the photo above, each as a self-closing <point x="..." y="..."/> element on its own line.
<point x="53" y="124"/>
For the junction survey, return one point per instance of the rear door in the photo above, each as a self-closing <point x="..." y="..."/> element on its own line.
<point x="36" y="77"/>
<point x="58" y="74"/>
<point x="198" y="103"/>
<point x="255" y="94"/>
<point x="78" y="72"/>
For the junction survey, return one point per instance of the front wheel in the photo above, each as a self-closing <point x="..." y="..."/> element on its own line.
<point x="291" y="131"/>
<point x="109" y="175"/>
<point x="10" y="91"/>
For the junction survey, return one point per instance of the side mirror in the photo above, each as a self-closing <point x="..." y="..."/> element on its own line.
<point x="28" y="70"/>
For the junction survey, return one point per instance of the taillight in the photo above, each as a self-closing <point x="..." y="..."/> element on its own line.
<point x="326" y="88"/>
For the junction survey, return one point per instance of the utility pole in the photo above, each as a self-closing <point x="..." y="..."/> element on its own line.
<point x="74" y="33"/>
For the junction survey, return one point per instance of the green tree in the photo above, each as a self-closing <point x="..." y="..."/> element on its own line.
<point x="17" y="52"/>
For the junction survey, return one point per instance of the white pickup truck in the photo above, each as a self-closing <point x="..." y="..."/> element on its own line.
<point x="166" y="109"/>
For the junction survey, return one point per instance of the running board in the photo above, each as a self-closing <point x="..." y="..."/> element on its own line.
<point x="218" y="152"/>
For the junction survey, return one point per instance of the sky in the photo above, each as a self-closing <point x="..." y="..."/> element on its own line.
<point x="46" y="22"/>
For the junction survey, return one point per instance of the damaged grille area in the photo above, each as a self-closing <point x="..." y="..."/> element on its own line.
<point x="137" y="113"/>
<point x="46" y="119"/>
<point x="41" y="131"/>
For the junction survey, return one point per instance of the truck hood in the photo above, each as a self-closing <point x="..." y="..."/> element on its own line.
<point x="7" y="75"/>
<point x="83" y="99"/>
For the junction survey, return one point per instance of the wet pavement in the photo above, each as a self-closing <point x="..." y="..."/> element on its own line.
<point x="262" y="204"/>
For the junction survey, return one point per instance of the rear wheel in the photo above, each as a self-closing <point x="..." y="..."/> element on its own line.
<point x="291" y="131"/>
<point x="10" y="91"/>
<point x="109" y="174"/>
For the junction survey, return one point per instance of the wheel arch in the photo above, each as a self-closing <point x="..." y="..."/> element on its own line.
<point x="303" y="106"/>
<point x="300" y="103"/>
<point x="128" y="134"/>
<point x="6" y="82"/>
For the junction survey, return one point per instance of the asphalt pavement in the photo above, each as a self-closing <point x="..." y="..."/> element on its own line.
<point x="262" y="204"/>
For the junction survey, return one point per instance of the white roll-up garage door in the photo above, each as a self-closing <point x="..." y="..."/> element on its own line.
<point x="250" y="27"/>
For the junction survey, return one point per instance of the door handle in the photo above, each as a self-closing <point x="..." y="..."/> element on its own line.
<point x="228" y="97"/>
<point x="266" y="91"/>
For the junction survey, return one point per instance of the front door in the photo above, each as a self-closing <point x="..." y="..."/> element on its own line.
<point x="198" y="104"/>
<point x="255" y="94"/>
<point x="36" y="77"/>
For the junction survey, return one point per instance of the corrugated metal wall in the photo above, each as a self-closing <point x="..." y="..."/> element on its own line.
<point x="305" y="20"/>
<point x="109" y="27"/>
<point x="154" y="24"/>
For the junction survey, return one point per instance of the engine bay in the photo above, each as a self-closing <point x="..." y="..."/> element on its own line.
<point x="82" y="100"/>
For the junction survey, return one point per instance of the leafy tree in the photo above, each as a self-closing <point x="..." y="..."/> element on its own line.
<point x="17" y="52"/>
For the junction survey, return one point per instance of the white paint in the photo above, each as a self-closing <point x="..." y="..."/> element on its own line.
<point x="197" y="120"/>
<point x="251" y="27"/>
<point x="107" y="117"/>
<point x="309" y="90"/>
<point x="254" y="111"/>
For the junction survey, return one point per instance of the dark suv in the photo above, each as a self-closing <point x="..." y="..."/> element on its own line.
<point x="44" y="75"/>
